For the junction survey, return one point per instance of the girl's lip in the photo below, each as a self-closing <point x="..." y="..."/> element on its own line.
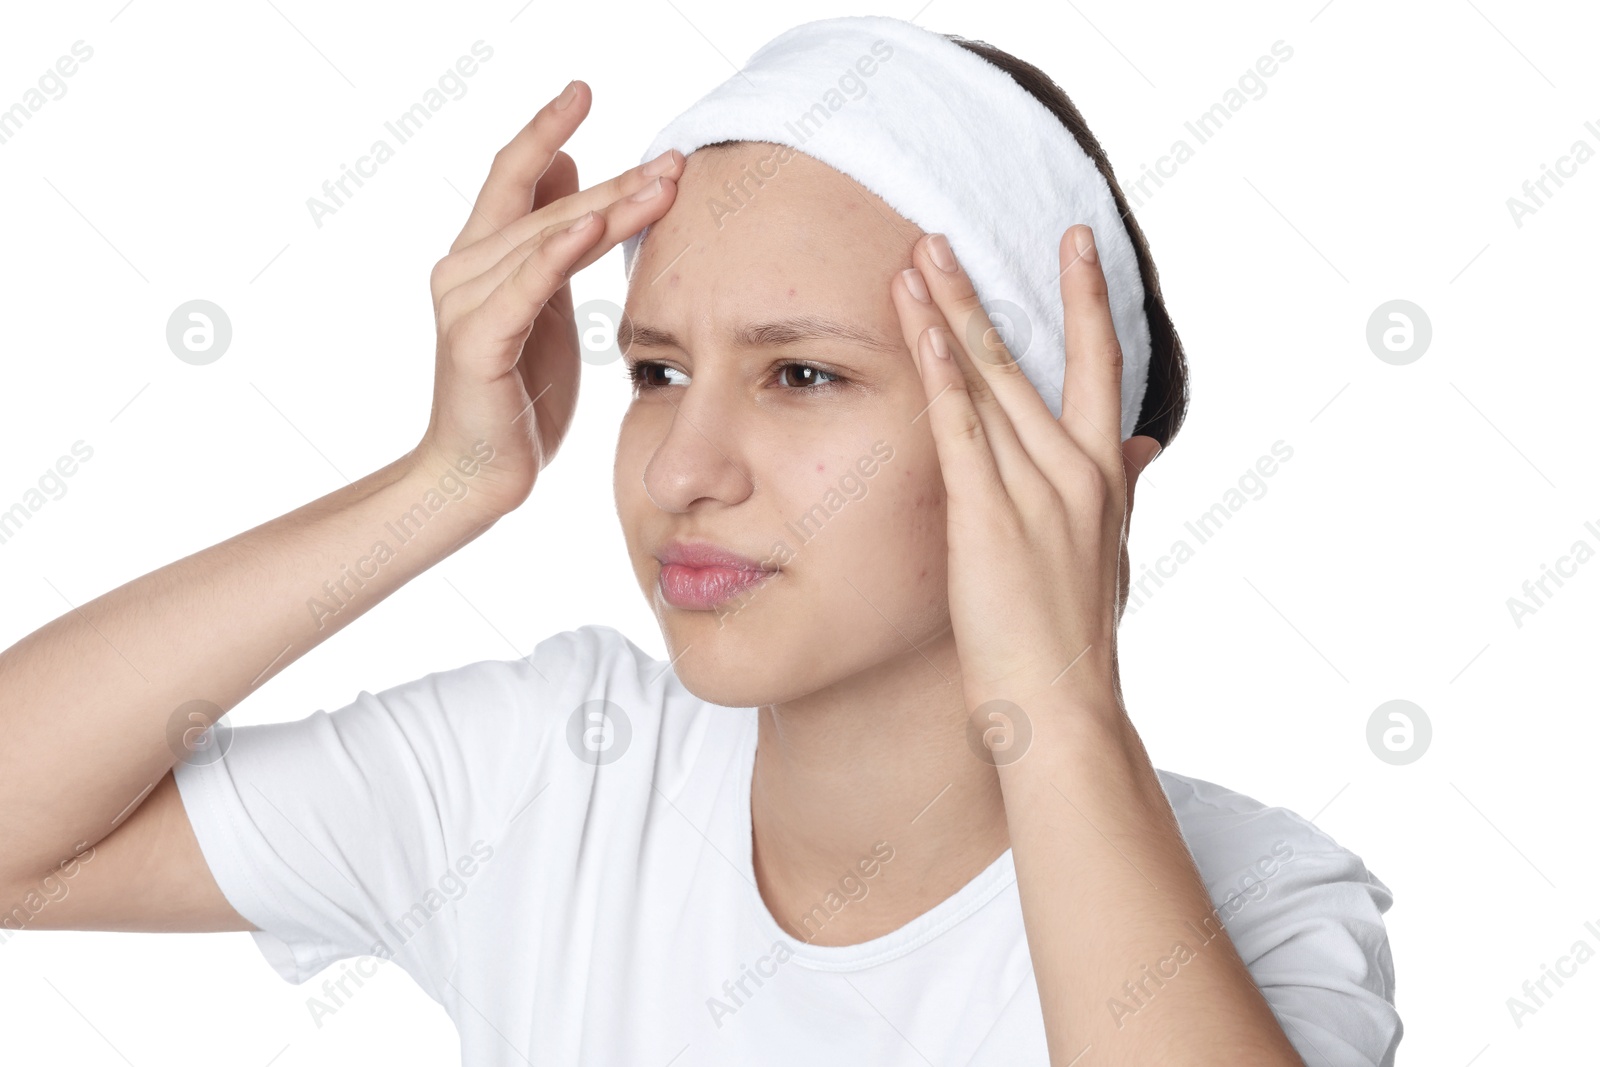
<point x="706" y="554"/>
<point x="703" y="588"/>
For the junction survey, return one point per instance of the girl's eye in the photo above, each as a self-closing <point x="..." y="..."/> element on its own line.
<point x="640" y="373"/>
<point x="810" y="377"/>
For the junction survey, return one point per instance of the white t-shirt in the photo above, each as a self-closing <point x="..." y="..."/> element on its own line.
<point x="558" y="850"/>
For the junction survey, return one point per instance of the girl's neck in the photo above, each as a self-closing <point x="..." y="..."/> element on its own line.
<point x="877" y="765"/>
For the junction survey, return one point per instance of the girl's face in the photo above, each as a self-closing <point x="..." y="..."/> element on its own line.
<point x="763" y="435"/>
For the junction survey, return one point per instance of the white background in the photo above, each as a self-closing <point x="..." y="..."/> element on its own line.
<point x="1377" y="565"/>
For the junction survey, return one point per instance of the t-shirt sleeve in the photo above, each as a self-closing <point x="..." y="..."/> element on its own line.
<point x="353" y="832"/>
<point x="1317" y="949"/>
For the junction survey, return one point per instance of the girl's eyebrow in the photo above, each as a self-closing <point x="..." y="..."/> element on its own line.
<point x="771" y="334"/>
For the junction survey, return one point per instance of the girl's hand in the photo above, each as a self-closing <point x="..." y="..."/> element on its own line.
<point x="507" y="365"/>
<point x="1036" y="507"/>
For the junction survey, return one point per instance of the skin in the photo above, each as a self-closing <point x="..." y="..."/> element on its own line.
<point x="981" y="562"/>
<point x="964" y="574"/>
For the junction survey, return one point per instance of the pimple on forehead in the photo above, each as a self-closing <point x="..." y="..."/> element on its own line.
<point x="819" y="467"/>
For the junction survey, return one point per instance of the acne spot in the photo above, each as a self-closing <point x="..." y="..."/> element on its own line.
<point x="922" y="573"/>
<point x="819" y="467"/>
<point x="792" y="291"/>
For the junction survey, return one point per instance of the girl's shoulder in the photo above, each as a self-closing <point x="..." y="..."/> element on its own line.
<point x="1232" y="835"/>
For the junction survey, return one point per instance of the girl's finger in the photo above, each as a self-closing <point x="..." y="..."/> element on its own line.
<point x="1091" y="398"/>
<point x="971" y="477"/>
<point x="620" y="219"/>
<point x="494" y="331"/>
<point x="557" y="184"/>
<point x="958" y="302"/>
<point x="507" y="193"/>
<point x="923" y="300"/>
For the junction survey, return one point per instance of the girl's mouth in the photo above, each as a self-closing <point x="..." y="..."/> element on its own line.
<point x="703" y="588"/>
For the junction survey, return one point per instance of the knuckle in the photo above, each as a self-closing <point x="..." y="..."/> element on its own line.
<point x="967" y="304"/>
<point x="1086" y="481"/>
<point x="453" y="305"/>
<point x="439" y="277"/>
<point x="968" y="427"/>
<point x="1111" y="351"/>
<point x="456" y="339"/>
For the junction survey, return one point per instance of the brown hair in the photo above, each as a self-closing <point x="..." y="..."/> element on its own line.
<point x="1166" y="397"/>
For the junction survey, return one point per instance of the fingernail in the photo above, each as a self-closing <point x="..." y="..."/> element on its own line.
<point x="914" y="282"/>
<point x="659" y="165"/>
<point x="937" y="342"/>
<point x="939" y="249"/>
<point x="583" y="220"/>
<point x="568" y="95"/>
<point x="1086" y="249"/>
<point x="648" y="191"/>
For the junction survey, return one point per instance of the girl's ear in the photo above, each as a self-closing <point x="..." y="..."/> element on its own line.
<point x="1137" y="452"/>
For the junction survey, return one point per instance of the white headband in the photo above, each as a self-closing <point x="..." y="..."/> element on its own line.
<point x="956" y="146"/>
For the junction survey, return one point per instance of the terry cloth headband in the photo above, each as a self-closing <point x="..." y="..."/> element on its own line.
<point x="954" y="145"/>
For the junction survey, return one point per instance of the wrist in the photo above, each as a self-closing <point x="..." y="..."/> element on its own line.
<point x="459" y="486"/>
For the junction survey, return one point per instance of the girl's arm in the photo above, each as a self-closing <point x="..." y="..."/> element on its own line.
<point x="95" y="705"/>
<point x="1037" y="516"/>
<point x="98" y="705"/>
